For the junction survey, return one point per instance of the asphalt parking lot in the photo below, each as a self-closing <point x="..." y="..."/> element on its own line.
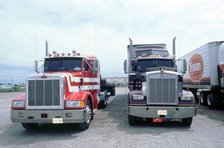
<point x="110" y="128"/>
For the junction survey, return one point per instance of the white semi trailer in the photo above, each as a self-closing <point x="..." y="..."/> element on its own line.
<point x="204" y="73"/>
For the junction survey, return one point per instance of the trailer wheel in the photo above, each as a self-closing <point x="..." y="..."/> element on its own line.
<point x="132" y="120"/>
<point x="187" y="121"/>
<point x="29" y="126"/>
<point x="210" y="100"/>
<point x="89" y="113"/>
<point x="203" y="99"/>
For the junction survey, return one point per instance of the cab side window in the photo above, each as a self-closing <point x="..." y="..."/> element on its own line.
<point x="86" y="66"/>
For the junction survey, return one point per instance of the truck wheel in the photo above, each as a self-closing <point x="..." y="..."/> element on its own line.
<point x="203" y="99"/>
<point x="29" y="126"/>
<point x="102" y="105"/>
<point x="112" y="92"/>
<point x="187" y="121"/>
<point x="210" y="101"/>
<point x="89" y="113"/>
<point x="131" y="120"/>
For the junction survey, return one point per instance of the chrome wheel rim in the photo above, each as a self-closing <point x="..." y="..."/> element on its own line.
<point x="208" y="100"/>
<point x="89" y="113"/>
<point x="202" y="98"/>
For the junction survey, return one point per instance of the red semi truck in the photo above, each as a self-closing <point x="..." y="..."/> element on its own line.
<point x="67" y="91"/>
<point x="204" y="73"/>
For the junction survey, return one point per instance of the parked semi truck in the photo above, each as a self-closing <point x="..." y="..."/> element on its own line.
<point x="155" y="86"/>
<point x="67" y="91"/>
<point x="204" y="73"/>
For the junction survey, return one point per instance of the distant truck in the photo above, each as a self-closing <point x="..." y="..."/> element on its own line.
<point x="108" y="86"/>
<point x="67" y="91"/>
<point x="204" y="73"/>
<point x="155" y="86"/>
<point x="106" y="89"/>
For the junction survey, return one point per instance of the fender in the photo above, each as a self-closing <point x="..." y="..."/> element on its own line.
<point x="20" y="97"/>
<point x="81" y="95"/>
<point x="96" y="100"/>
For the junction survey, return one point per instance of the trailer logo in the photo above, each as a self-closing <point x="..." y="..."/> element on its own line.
<point x="196" y="67"/>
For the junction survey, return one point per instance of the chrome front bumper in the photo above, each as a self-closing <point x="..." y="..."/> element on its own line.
<point x="46" y="116"/>
<point x="162" y="112"/>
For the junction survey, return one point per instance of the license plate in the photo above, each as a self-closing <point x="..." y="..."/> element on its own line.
<point x="162" y="112"/>
<point x="57" y="120"/>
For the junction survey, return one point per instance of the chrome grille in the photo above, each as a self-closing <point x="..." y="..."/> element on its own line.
<point x="44" y="92"/>
<point x="162" y="91"/>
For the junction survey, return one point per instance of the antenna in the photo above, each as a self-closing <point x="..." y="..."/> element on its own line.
<point x="35" y="56"/>
<point x="95" y="41"/>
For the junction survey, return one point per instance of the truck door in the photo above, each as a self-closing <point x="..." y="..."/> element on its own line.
<point x="90" y="77"/>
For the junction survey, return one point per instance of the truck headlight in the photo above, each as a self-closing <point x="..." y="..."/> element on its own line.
<point x="74" y="103"/>
<point x="138" y="97"/>
<point x="18" y="104"/>
<point x="187" y="97"/>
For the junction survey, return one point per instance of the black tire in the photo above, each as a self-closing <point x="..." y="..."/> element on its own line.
<point x="29" y="126"/>
<point x="214" y="101"/>
<point x="203" y="99"/>
<point x="85" y="125"/>
<point x="187" y="121"/>
<point x="132" y="120"/>
<point x="112" y="92"/>
<point x="211" y="101"/>
<point x="102" y="105"/>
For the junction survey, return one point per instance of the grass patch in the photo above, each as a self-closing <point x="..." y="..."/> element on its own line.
<point x="14" y="89"/>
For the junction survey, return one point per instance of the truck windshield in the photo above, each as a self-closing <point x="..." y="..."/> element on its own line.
<point x="143" y="64"/>
<point x="62" y="64"/>
<point x="149" y="52"/>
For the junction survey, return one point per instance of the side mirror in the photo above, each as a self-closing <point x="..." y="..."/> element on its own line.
<point x="184" y="65"/>
<point x="35" y="66"/>
<point x="38" y="66"/>
<point x="125" y="67"/>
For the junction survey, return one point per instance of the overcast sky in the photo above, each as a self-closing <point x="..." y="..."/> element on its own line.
<point x="102" y="28"/>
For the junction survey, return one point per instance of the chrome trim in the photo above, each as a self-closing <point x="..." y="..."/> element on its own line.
<point x="37" y="77"/>
<point x="164" y="81"/>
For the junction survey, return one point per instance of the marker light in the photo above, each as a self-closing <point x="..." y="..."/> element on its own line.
<point x="54" y="52"/>
<point x="74" y="52"/>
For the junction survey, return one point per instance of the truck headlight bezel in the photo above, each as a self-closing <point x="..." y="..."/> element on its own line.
<point x="187" y="98"/>
<point x="74" y="104"/>
<point x="18" y="104"/>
